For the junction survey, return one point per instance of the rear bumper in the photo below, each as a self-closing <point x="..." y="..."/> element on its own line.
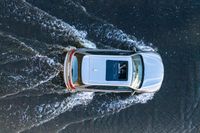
<point x="67" y="70"/>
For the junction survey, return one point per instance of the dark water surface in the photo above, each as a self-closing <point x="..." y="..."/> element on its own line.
<point x="34" y="33"/>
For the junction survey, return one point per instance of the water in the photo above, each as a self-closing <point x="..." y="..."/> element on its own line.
<point x="33" y="35"/>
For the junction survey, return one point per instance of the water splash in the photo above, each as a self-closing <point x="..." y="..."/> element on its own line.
<point x="47" y="28"/>
<point x="106" y="108"/>
<point x="40" y="24"/>
<point x="63" y="129"/>
<point x="47" y="112"/>
<point x="120" y="104"/>
<point x="99" y="30"/>
<point x="29" y="68"/>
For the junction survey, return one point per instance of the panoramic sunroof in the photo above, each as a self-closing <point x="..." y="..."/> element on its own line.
<point x="116" y="70"/>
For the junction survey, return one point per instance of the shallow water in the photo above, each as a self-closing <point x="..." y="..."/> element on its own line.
<point x="33" y="35"/>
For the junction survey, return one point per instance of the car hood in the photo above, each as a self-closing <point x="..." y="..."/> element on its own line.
<point x="153" y="72"/>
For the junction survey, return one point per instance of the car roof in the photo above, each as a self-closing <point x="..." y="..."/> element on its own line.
<point x="93" y="70"/>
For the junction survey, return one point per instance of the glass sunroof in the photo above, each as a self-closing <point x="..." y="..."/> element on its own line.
<point x="116" y="70"/>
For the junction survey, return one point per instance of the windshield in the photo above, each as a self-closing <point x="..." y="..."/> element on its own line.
<point x="137" y="71"/>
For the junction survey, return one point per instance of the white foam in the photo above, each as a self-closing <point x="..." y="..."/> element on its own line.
<point x="111" y="33"/>
<point x="70" y="32"/>
<point x="23" y="12"/>
<point x="114" y="107"/>
<point x="31" y="84"/>
<point x="75" y="122"/>
<point x="16" y="78"/>
<point x="47" y="112"/>
<point x="118" y="105"/>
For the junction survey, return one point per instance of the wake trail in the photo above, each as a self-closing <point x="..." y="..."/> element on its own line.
<point x="110" y="107"/>
<point x="120" y="104"/>
<point x="35" y="56"/>
<point x="76" y="122"/>
<point x="42" y="25"/>
<point x="50" y="28"/>
<point x="97" y="29"/>
<point x="83" y="98"/>
<point x="42" y="115"/>
<point x="32" y="87"/>
<point x="53" y="29"/>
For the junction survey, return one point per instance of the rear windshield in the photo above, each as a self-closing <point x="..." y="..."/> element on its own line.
<point x="74" y="69"/>
<point x="116" y="70"/>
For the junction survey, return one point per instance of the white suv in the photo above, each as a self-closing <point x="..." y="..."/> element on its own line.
<point x="102" y="70"/>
